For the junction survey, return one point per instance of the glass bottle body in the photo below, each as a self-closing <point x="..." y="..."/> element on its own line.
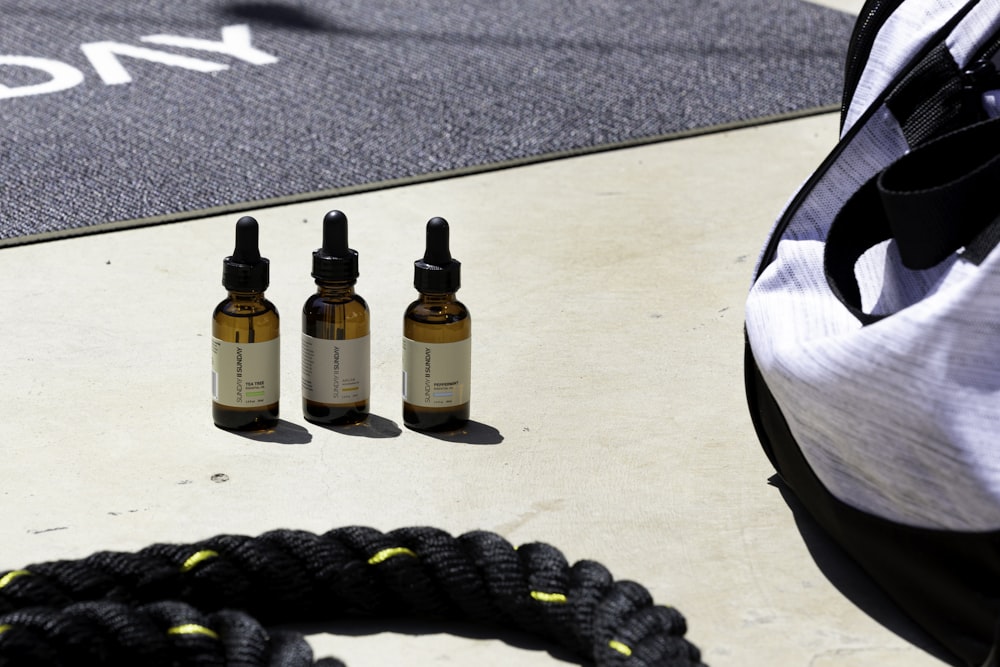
<point x="246" y="319"/>
<point x="335" y="313"/>
<point x="439" y="320"/>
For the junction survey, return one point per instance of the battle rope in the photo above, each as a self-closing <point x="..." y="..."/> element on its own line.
<point x="172" y="604"/>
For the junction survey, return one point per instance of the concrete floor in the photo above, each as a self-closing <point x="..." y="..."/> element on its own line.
<point x="609" y="416"/>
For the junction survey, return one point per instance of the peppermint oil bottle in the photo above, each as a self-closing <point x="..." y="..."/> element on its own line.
<point x="437" y="340"/>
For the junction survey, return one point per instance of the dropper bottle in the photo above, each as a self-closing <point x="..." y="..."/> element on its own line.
<point x="437" y="340"/>
<point x="336" y="345"/>
<point x="245" y="345"/>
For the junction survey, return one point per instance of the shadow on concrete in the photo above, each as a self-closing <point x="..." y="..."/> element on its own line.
<point x="374" y="427"/>
<point x="473" y="433"/>
<point x="285" y="433"/>
<point x="854" y="583"/>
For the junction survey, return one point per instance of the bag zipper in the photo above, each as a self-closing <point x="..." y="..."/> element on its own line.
<point x="978" y="78"/>
<point x="873" y="15"/>
<point x="876" y="12"/>
<point x="983" y="75"/>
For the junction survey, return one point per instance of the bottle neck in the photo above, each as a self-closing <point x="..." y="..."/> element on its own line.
<point x="335" y="290"/>
<point x="243" y="296"/>
<point x="437" y="298"/>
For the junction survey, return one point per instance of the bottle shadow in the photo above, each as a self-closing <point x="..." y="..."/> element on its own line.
<point x="472" y="433"/>
<point x="374" y="427"/>
<point x="285" y="433"/>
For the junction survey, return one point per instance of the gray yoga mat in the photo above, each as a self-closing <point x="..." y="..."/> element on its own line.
<point x="126" y="112"/>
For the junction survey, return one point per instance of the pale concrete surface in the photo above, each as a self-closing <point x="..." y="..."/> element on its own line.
<point x="607" y="295"/>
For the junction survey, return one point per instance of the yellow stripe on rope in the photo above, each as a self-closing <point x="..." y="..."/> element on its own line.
<point x="11" y="576"/>
<point x="5" y="628"/>
<point x="192" y="629"/>
<point x="386" y="554"/>
<point x="621" y="648"/>
<point x="197" y="559"/>
<point x="554" y="598"/>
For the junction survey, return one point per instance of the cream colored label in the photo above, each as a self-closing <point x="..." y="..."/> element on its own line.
<point x="246" y="375"/>
<point x="336" y="371"/>
<point x="437" y="374"/>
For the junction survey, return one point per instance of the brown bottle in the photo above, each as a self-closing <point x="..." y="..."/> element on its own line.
<point x="336" y="348"/>
<point x="437" y="341"/>
<point x="245" y="344"/>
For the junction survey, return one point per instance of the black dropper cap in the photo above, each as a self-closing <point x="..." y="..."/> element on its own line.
<point x="246" y="270"/>
<point x="335" y="261"/>
<point x="437" y="272"/>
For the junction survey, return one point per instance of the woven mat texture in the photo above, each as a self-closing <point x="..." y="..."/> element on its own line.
<point x="121" y="112"/>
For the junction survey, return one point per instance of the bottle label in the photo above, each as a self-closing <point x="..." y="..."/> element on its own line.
<point x="246" y="375"/>
<point x="437" y="374"/>
<point x="336" y="371"/>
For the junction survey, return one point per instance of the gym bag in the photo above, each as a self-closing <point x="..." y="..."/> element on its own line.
<point x="873" y="321"/>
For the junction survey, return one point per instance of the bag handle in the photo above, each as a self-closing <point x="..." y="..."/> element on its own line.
<point x="935" y="200"/>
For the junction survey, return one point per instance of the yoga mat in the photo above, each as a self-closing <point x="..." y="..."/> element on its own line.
<point x="127" y="112"/>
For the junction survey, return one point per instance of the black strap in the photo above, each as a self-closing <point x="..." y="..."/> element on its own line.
<point x="940" y="196"/>
<point x="931" y="99"/>
<point x="860" y="225"/>
<point x="935" y="200"/>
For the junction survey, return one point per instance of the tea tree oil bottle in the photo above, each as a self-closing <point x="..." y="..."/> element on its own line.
<point x="245" y="347"/>
<point x="437" y="340"/>
<point x="336" y="345"/>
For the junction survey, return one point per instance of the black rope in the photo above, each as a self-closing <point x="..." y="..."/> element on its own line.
<point x="210" y="603"/>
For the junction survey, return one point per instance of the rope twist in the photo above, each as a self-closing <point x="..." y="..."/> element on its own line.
<point x="211" y="603"/>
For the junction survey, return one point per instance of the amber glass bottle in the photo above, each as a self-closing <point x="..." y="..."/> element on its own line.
<point x="437" y="340"/>
<point x="245" y="343"/>
<point x="336" y="347"/>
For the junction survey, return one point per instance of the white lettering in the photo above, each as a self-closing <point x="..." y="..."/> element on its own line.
<point x="104" y="57"/>
<point x="235" y="42"/>
<point x="63" y="76"/>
